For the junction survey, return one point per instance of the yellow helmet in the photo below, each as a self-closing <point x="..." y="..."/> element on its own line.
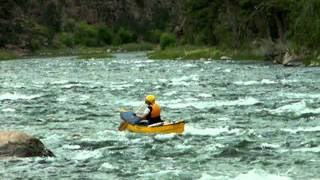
<point x="150" y="99"/>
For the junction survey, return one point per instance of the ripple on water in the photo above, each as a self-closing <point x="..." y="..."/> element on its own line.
<point x="260" y="174"/>
<point x="297" y="108"/>
<point x="17" y="96"/>
<point x="190" y="130"/>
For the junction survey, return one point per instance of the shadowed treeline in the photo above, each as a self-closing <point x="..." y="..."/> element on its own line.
<point x="273" y="25"/>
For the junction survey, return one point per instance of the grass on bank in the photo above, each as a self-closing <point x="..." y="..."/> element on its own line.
<point x="312" y="61"/>
<point x="196" y="52"/>
<point x="7" y="55"/>
<point x="93" y="52"/>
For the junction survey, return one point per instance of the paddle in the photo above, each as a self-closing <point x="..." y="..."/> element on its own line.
<point x="124" y="124"/>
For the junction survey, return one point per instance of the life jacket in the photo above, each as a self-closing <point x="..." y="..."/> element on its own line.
<point x="154" y="115"/>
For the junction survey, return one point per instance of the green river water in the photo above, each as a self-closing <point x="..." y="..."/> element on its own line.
<point x="245" y="120"/>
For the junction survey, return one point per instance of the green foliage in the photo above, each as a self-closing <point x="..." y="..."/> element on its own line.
<point x="6" y="55"/>
<point x="306" y="26"/>
<point x="126" y="36"/>
<point x="67" y="39"/>
<point x="167" y="40"/>
<point x="52" y="16"/>
<point x="136" y="47"/>
<point x="104" y="35"/>
<point x="153" y="36"/>
<point x="225" y="24"/>
<point x="86" y="35"/>
<point x="187" y="52"/>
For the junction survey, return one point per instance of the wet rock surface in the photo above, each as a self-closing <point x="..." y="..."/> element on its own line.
<point x="20" y="144"/>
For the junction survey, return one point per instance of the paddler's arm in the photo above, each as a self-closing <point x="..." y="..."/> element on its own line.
<point x="142" y="117"/>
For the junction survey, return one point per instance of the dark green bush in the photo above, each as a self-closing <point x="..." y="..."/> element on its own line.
<point x="104" y="35"/>
<point x="167" y="40"/>
<point x="126" y="36"/>
<point x="153" y="36"/>
<point x="86" y="35"/>
<point x="34" y="45"/>
<point x="67" y="39"/>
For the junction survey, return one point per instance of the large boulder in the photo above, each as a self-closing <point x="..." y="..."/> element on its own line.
<point x="21" y="145"/>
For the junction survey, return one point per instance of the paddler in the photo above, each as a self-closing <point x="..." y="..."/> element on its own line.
<point x="152" y="111"/>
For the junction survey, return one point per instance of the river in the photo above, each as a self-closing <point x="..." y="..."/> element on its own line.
<point x="245" y="120"/>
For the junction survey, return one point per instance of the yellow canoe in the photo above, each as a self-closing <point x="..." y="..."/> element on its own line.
<point x="160" y="128"/>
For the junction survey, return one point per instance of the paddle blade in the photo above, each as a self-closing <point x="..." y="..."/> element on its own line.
<point x="123" y="126"/>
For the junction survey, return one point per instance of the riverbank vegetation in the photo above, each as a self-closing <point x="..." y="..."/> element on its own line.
<point x="238" y="29"/>
<point x="203" y="52"/>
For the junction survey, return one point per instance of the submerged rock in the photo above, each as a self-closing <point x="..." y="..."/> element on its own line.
<point x="225" y="58"/>
<point x="19" y="144"/>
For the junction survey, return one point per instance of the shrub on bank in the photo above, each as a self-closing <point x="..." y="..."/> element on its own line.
<point x="104" y="35"/>
<point x="67" y="39"/>
<point x="86" y="35"/>
<point x="167" y="40"/>
<point x="126" y="36"/>
<point x="153" y="36"/>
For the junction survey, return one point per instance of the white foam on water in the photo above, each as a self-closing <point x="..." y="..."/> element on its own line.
<point x="178" y="104"/>
<point x="304" y="149"/>
<point x="84" y="155"/>
<point x="227" y="70"/>
<point x="268" y="145"/>
<point x="313" y="149"/>
<point x="182" y="146"/>
<point x="285" y="81"/>
<point x="62" y="98"/>
<point x="170" y="93"/>
<point x="224" y="119"/>
<point x="209" y="131"/>
<point x="248" y="83"/>
<point x="184" y="80"/>
<point x="300" y="95"/>
<point x="84" y="97"/>
<point x="72" y="147"/>
<point x="8" y="110"/>
<point x="164" y="136"/>
<point x="240" y="102"/>
<point x="128" y="103"/>
<point x="206" y="176"/>
<point x="302" y="129"/>
<point x="298" y="108"/>
<point x="267" y="81"/>
<point x="162" y="173"/>
<point x="204" y="95"/>
<point x="138" y="81"/>
<point x="122" y="86"/>
<point x="163" y="80"/>
<point x="107" y="165"/>
<point x="15" y="96"/>
<point x="68" y="86"/>
<point x="59" y="82"/>
<point x="189" y="65"/>
<point x="260" y="175"/>
<point x="106" y="135"/>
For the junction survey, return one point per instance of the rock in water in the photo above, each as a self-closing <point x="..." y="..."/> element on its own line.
<point x="225" y="58"/>
<point x="21" y="145"/>
<point x="291" y="59"/>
